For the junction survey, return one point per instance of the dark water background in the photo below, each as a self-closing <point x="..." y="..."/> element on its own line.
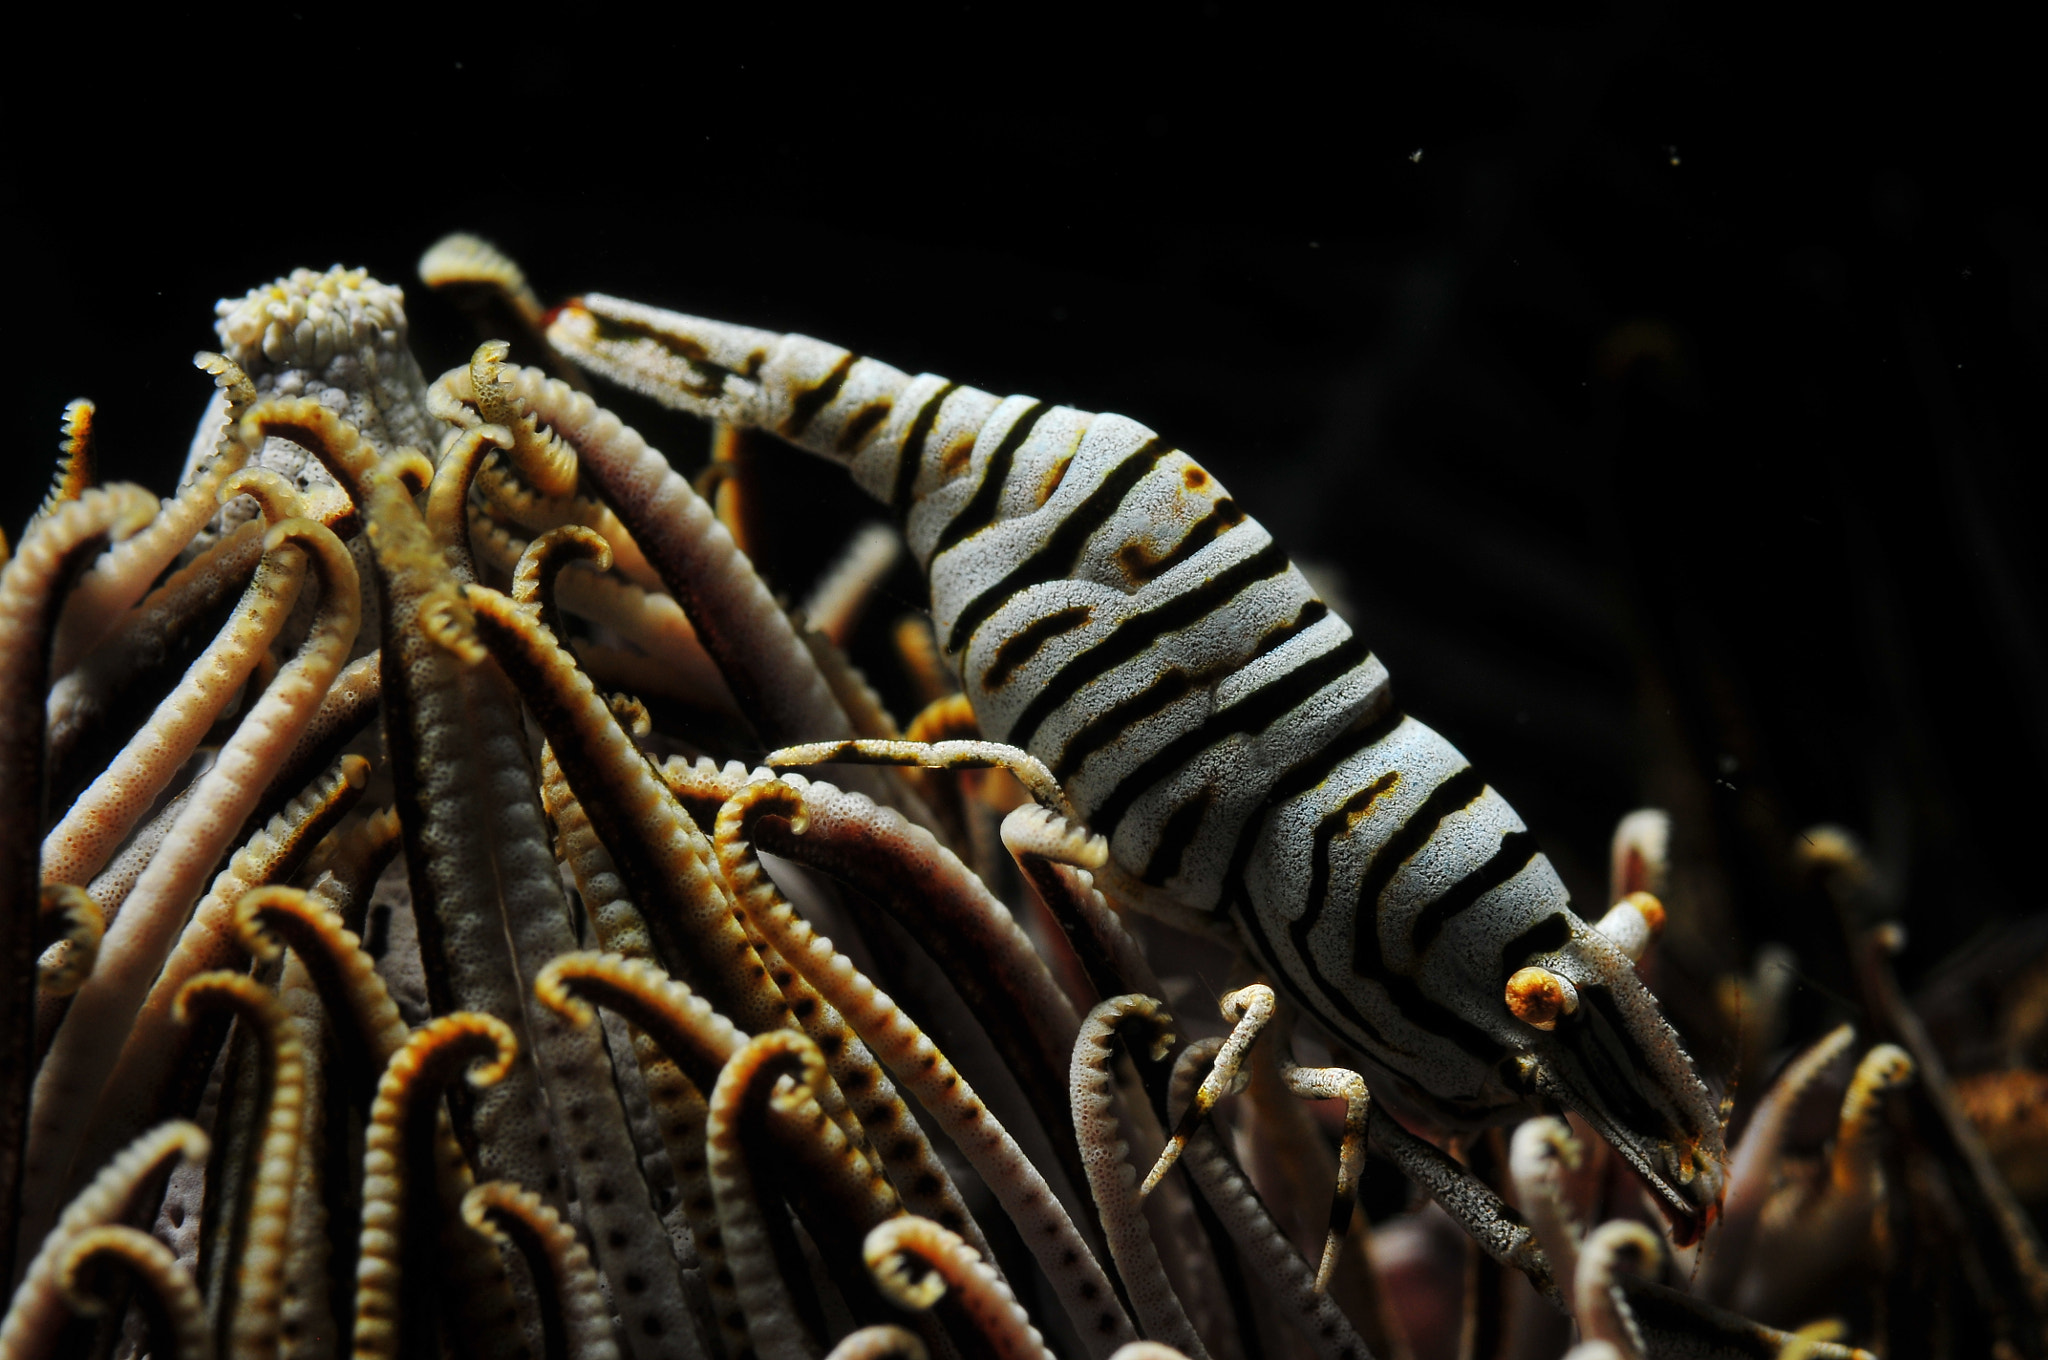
<point x="1668" y="420"/>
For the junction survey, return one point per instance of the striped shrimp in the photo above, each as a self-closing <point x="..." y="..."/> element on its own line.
<point x="1110" y="609"/>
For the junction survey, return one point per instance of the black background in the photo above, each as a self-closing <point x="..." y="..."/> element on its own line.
<point x="1668" y="420"/>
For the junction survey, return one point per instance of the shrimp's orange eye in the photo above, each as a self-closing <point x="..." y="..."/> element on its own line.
<point x="1537" y="996"/>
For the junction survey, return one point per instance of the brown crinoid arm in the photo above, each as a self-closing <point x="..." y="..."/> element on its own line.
<point x="949" y="1264"/>
<point x="111" y="886"/>
<point x="695" y="1036"/>
<point x="892" y="1132"/>
<point x="702" y="785"/>
<point x="76" y="471"/>
<point x="35" y="579"/>
<point x="542" y="461"/>
<point x="476" y="271"/>
<point x="368" y="1033"/>
<point x="771" y="673"/>
<point x="322" y="1193"/>
<point x="614" y="917"/>
<point x="508" y="492"/>
<point x="85" y="1047"/>
<point x="507" y="498"/>
<point x="885" y="1121"/>
<point x="349" y="458"/>
<point x="29" y="1328"/>
<point x="401" y="1125"/>
<point x="884" y="1341"/>
<point x="478" y="854"/>
<point x="119" y="578"/>
<point x="652" y="1083"/>
<point x="898" y="1139"/>
<point x="150" y="1070"/>
<point x="771" y="1081"/>
<point x="347" y="865"/>
<point x="253" y="1303"/>
<point x="539" y="569"/>
<point x="1057" y="857"/>
<point x="732" y="483"/>
<point x="1542" y="1152"/>
<point x="917" y="646"/>
<point x="428" y="647"/>
<point x="748" y="1217"/>
<point x="1112" y="1182"/>
<point x="447" y="512"/>
<point x="864" y="705"/>
<point x="169" y="1296"/>
<point x="1612" y="1250"/>
<point x="835" y="604"/>
<point x="978" y="945"/>
<point x="68" y="929"/>
<point x="110" y="692"/>
<point x="575" y="1071"/>
<point x="148" y="1063"/>
<point x="100" y="817"/>
<point x="661" y="857"/>
<point x="426" y="730"/>
<point x="1753" y="1163"/>
<point x="1061" y="1252"/>
<point x="681" y="1044"/>
<point x="575" y="1320"/>
<point x="31" y="586"/>
<point x="590" y="1125"/>
<point x="668" y="1109"/>
<point x="1992" y="1225"/>
<point x="365" y="1019"/>
<point x="665" y="861"/>
<point x="309" y="1316"/>
<point x="1853" y="1169"/>
<point x="1808" y="1235"/>
<point x="844" y="1186"/>
<point x="346" y="709"/>
<point x="962" y="823"/>
<point x="949" y="717"/>
<point x="650" y="620"/>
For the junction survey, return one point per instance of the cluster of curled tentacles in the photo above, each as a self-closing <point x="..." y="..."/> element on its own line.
<point x="396" y="967"/>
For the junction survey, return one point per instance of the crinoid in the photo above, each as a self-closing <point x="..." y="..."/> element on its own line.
<point x="432" y="951"/>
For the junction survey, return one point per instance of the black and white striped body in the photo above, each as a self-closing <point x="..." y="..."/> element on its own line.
<point x="1111" y="610"/>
